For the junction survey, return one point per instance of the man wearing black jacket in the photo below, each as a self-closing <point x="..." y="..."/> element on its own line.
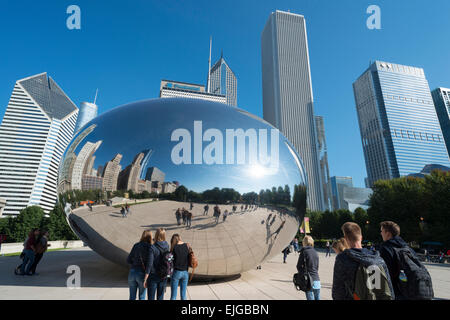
<point x="348" y="261"/>
<point x="390" y="232"/>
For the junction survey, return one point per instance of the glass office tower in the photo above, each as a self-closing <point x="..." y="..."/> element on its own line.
<point x="323" y="161"/>
<point x="223" y="82"/>
<point x="287" y="92"/>
<point x="400" y="131"/>
<point x="337" y="191"/>
<point x="441" y="97"/>
<point x="37" y="127"/>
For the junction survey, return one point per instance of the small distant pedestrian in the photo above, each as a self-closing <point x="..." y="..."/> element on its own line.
<point x="123" y="212"/>
<point x="328" y="246"/>
<point x="285" y="252"/>
<point x="217" y="213"/>
<point x="127" y="208"/>
<point x="225" y="215"/>
<point x="183" y="215"/>
<point x="188" y="218"/>
<point x="178" y="216"/>
<point x="29" y="252"/>
<point x="296" y="246"/>
<point x="191" y="206"/>
<point x="206" y="209"/>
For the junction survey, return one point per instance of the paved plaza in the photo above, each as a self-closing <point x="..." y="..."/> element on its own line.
<point x="101" y="279"/>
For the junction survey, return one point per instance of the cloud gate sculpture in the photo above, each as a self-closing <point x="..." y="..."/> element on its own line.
<point x="237" y="176"/>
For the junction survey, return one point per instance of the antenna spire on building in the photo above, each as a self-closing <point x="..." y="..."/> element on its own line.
<point x="96" y="92"/>
<point x="209" y="66"/>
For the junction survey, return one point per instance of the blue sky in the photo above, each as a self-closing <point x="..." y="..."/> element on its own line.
<point x="125" y="48"/>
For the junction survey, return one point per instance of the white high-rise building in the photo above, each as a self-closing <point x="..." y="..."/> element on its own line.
<point x="176" y="89"/>
<point x="287" y="92"/>
<point x="223" y="81"/>
<point x="37" y="127"/>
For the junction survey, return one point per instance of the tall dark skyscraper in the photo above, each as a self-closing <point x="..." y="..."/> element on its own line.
<point x="441" y="98"/>
<point x="287" y="92"/>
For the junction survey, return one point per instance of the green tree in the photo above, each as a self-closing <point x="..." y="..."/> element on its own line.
<point x="28" y="219"/>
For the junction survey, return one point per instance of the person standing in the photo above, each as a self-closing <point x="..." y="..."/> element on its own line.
<point x="188" y="218"/>
<point x="191" y="206"/>
<point x="180" y="251"/>
<point x="296" y="246"/>
<point x="308" y="262"/>
<point x="29" y="252"/>
<point x="127" y="209"/>
<point x="351" y="262"/>
<point x="225" y="215"/>
<point x="285" y="252"/>
<point x="183" y="215"/>
<point x="206" y="209"/>
<point x="178" y="216"/>
<point x="328" y="247"/>
<point x="139" y="261"/>
<point x="123" y="212"/>
<point x="41" y="246"/>
<point x="404" y="266"/>
<point x="155" y="283"/>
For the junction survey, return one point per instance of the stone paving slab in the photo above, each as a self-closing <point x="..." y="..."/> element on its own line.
<point x="103" y="280"/>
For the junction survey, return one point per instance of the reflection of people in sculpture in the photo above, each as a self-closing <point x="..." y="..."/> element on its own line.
<point x="225" y="215"/>
<point x="277" y="232"/>
<point x="191" y="206"/>
<point x="178" y="216"/>
<point x="68" y="209"/>
<point x="123" y="212"/>
<point x="183" y="215"/>
<point x="234" y="208"/>
<point x="206" y="208"/>
<point x="217" y="213"/>
<point x="268" y="218"/>
<point x="242" y="207"/>
<point x="188" y="218"/>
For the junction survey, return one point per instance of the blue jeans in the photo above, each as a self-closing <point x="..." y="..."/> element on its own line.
<point x="135" y="282"/>
<point x="156" y="286"/>
<point x="181" y="277"/>
<point x="314" y="293"/>
<point x="28" y="261"/>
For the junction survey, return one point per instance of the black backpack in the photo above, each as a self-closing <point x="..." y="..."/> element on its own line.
<point x="414" y="280"/>
<point x="303" y="280"/>
<point x="165" y="266"/>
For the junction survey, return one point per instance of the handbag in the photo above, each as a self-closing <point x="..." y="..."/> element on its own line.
<point x="303" y="280"/>
<point x="192" y="260"/>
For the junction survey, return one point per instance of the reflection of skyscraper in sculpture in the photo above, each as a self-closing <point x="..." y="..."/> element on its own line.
<point x="81" y="165"/>
<point x="111" y="173"/>
<point x="144" y="163"/>
<point x="36" y="129"/>
<point x="154" y="174"/>
<point x="128" y="177"/>
<point x="65" y="177"/>
<point x="323" y="161"/>
<point x="88" y="111"/>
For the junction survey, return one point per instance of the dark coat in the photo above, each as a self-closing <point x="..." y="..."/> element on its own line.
<point x="139" y="257"/>
<point x="312" y="262"/>
<point x="345" y="268"/>
<point x="389" y="256"/>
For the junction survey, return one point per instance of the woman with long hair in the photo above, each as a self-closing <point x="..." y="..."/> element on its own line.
<point x="139" y="261"/>
<point x="308" y="261"/>
<point x="155" y="281"/>
<point x="180" y="251"/>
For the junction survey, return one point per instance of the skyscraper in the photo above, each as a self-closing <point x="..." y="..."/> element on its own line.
<point x="400" y="131"/>
<point x="287" y="92"/>
<point x="223" y="81"/>
<point x="38" y="124"/>
<point x="88" y="111"/>
<point x="323" y="161"/>
<point x="177" y="89"/>
<point x="441" y="98"/>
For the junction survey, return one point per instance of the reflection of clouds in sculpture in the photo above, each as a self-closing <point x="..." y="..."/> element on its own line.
<point x="130" y="148"/>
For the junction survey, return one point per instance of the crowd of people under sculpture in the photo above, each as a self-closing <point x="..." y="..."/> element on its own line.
<point x="392" y="273"/>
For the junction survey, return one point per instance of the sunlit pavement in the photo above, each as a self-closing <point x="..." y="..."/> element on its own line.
<point x="101" y="279"/>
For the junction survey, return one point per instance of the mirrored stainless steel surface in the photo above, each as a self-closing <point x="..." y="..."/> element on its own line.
<point x="162" y="155"/>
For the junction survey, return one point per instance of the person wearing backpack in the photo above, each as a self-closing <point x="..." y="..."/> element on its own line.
<point x="360" y="274"/>
<point x="410" y="278"/>
<point x="308" y="262"/>
<point x="160" y="268"/>
<point x="41" y="246"/>
<point x="139" y="261"/>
